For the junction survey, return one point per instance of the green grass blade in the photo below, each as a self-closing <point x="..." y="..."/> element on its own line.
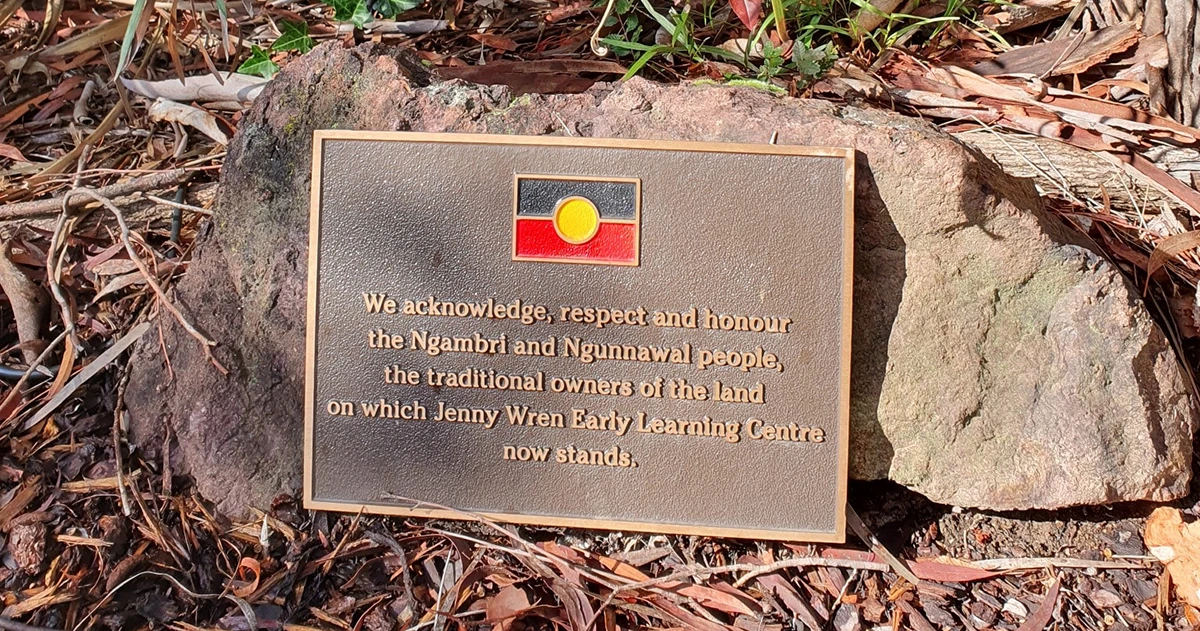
<point x="621" y="44"/>
<point x="662" y="20"/>
<point x="135" y="18"/>
<point x="720" y="52"/>
<point x="780" y="21"/>
<point x="223" y="12"/>
<point x="645" y="59"/>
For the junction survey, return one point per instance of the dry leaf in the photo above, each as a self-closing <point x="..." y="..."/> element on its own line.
<point x="946" y="572"/>
<point x="738" y="46"/>
<point x="504" y="608"/>
<point x="202" y="88"/>
<point x="1170" y="248"/>
<point x="247" y="587"/>
<point x="499" y="42"/>
<point x="727" y="601"/>
<point x="1044" y="612"/>
<point x="114" y="267"/>
<point x="1064" y="56"/>
<point x="12" y="153"/>
<point x="129" y="279"/>
<point x="120" y="282"/>
<point x="164" y="110"/>
<point x="782" y="590"/>
<point x="568" y="10"/>
<point x="1177" y="545"/>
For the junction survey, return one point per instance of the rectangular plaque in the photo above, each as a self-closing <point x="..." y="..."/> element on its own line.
<point x="623" y="334"/>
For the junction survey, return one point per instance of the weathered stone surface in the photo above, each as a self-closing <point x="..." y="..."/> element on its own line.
<point x="998" y="361"/>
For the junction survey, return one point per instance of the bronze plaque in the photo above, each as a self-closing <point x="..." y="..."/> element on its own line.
<point x="623" y="334"/>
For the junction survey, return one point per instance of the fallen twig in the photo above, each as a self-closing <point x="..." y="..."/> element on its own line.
<point x="74" y="198"/>
<point x="177" y="205"/>
<point x="205" y="343"/>
<point x="856" y="524"/>
<point x="16" y="389"/>
<point x="1007" y="565"/>
<point x="91" y="370"/>
<point x="118" y="437"/>
<point x="753" y="570"/>
<point x="27" y="299"/>
<point x="54" y="269"/>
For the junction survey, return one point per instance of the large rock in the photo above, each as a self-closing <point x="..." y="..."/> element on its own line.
<point x="998" y="361"/>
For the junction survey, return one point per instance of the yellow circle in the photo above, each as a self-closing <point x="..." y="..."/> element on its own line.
<point x="576" y="219"/>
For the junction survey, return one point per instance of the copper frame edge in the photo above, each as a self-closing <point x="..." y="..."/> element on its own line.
<point x="847" y="338"/>
<point x="581" y="522"/>
<point x="310" y="325"/>
<point x="838" y="535"/>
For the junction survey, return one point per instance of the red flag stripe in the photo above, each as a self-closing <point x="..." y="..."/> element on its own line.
<point x="614" y="242"/>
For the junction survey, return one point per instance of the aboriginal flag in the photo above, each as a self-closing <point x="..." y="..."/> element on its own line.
<point x="577" y="220"/>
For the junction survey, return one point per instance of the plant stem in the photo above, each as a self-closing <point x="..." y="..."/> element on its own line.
<point x="780" y="22"/>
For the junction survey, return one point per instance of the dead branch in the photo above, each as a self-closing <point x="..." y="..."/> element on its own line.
<point x="1030" y="13"/>
<point x="54" y="269"/>
<point x="28" y="302"/>
<point x="1012" y="565"/>
<point x="89" y="371"/>
<point x="74" y="198"/>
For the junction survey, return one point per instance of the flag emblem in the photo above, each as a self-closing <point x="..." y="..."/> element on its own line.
<point x="561" y="219"/>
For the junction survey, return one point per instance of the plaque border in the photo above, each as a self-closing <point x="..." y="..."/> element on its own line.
<point x="838" y="535"/>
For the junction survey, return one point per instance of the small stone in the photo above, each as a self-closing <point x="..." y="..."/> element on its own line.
<point x="1105" y="599"/>
<point x="846" y="618"/>
<point x="981" y="615"/>
<point x="27" y="544"/>
<point x="1016" y="608"/>
<point x="1141" y="590"/>
<point x="937" y="615"/>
